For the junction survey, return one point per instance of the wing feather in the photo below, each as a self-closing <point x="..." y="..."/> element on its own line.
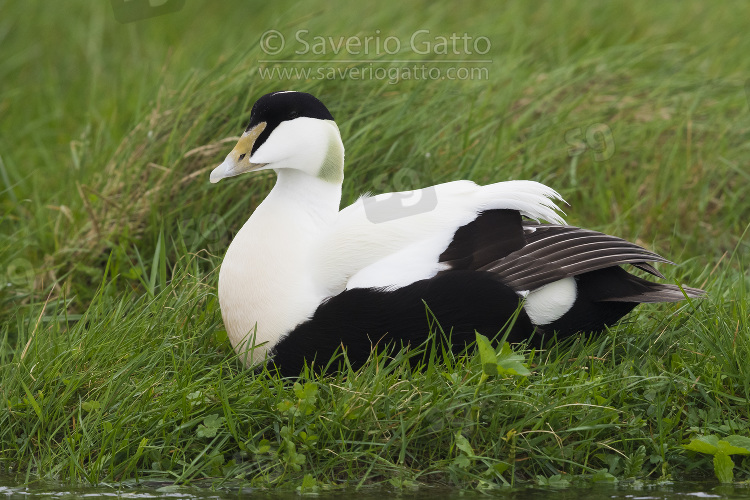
<point x="556" y="252"/>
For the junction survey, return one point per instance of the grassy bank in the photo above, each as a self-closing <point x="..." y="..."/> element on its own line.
<point x="113" y="360"/>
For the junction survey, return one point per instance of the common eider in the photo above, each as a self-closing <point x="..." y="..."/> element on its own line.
<point x="303" y="280"/>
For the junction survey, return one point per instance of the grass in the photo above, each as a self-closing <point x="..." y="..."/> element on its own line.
<point x="113" y="360"/>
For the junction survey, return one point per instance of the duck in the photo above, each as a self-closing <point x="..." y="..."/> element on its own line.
<point x="304" y="280"/>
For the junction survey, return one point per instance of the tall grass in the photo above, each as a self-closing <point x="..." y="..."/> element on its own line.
<point x="113" y="360"/>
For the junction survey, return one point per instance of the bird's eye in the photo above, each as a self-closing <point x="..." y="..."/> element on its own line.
<point x="292" y="114"/>
<point x="242" y="156"/>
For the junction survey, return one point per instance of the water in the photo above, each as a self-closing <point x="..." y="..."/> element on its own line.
<point x="621" y="491"/>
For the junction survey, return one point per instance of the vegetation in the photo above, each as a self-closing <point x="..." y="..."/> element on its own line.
<point x="113" y="360"/>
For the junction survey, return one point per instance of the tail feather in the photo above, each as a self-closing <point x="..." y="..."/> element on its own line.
<point x="641" y="290"/>
<point x="606" y="295"/>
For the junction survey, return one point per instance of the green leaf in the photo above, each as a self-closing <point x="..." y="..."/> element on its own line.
<point x="221" y="337"/>
<point x="711" y="445"/>
<point x="723" y="468"/>
<point x="603" y="476"/>
<point x="309" y="482"/>
<point x="297" y="387"/>
<point x="728" y="449"/>
<point x="284" y="406"/>
<point x="213" y="420"/>
<point x="486" y="355"/>
<point x="634" y="463"/>
<point x="557" y="481"/>
<point x="511" y="363"/>
<point x="507" y="362"/>
<point x="210" y="426"/>
<point x="306" y="393"/>
<point x="205" y="432"/>
<point x="89" y="406"/>
<point x="739" y="442"/>
<point x="704" y="444"/>
<point x="463" y="444"/>
<point x="264" y="446"/>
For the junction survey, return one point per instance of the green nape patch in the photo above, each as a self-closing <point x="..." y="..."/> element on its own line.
<point x="332" y="169"/>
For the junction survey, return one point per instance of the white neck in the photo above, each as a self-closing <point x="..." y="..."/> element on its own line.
<point x="266" y="278"/>
<point x="314" y="200"/>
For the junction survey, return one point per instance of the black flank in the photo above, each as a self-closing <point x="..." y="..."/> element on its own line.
<point x="363" y="318"/>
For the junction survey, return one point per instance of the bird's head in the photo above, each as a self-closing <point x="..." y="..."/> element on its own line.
<point x="292" y="130"/>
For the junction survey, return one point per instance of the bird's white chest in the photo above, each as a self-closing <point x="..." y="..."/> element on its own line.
<point x="265" y="285"/>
